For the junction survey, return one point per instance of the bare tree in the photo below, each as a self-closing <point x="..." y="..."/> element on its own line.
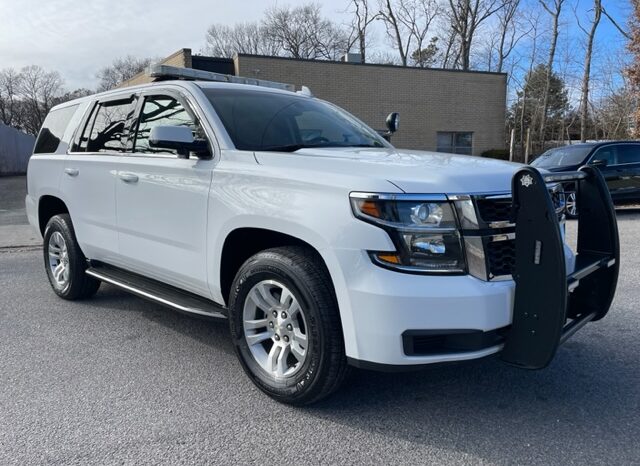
<point x="450" y="55"/>
<point x="554" y="8"/>
<point x="408" y="23"/>
<point x="251" y="38"/>
<point x="39" y="90"/>
<point x="612" y="113"/>
<point x="120" y="70"/>
<point x="362" y="17"/>
<point x="615" y="23"/>
<point x="71" y="95"/>
<point x="302" y="32"/>
<point x="522" y="106"/>
<point x="584" y="95"/>
<point x="510" y="32"/>
<point x="9" y="92"/>
<point x="465" y="17"/>
<point x="633" y="71"/>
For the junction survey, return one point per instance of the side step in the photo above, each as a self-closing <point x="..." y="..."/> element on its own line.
<point x="155" y="291"/>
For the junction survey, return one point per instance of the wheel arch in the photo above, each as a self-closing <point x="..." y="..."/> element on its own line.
<point x="242" y="243"/>
<point x="48" y="206"/>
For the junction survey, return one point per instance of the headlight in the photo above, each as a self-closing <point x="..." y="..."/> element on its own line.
<point x="423" y="228"/>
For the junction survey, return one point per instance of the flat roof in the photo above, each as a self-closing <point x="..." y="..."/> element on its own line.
<point x="383" y="65"/>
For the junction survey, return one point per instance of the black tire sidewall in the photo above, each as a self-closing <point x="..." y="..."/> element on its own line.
<point x="62" y="224"/>
<point x="290" y="388"/>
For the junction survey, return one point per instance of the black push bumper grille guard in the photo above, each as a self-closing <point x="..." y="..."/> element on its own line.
<point x="549" y="305"/>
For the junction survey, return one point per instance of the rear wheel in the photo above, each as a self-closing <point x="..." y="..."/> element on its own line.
<point x="286" y="327"/>
<point x="64" y="261"/>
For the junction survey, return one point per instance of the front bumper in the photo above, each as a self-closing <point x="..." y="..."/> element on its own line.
<point x="385" y="304"/>
<point x="527" y="319"/>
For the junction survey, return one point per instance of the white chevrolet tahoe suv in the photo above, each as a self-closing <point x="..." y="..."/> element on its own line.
<point x="323" y="245"/>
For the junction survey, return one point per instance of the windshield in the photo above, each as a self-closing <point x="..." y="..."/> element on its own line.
<point x="562" y="156"/>
<point x="270" y="121"/>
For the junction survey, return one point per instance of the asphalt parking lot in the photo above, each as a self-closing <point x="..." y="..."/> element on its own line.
<point x="119" y="380"/>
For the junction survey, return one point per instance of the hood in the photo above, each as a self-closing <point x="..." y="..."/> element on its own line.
<point x="564" y="168"/>
<point x="410" y="170"/>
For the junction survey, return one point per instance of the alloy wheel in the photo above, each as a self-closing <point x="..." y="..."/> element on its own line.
<point x="275" y="329"/>
<point x="572" y="205"/>
<point x="59" y="260"/>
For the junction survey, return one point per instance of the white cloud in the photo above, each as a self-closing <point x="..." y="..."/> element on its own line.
<point x="77" y="37"/>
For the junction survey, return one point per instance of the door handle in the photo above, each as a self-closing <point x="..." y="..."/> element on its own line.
<point x="128" y="177"/>
<point x="72" y="171"/>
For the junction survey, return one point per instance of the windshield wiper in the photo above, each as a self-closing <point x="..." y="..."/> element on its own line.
<point x="295" y="147"/>
<point x="285" y="148"/>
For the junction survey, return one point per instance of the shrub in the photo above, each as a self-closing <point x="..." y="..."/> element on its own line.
<point x="501" y="154"/>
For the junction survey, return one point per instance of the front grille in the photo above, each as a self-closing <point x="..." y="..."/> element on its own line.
<point x="494" y="210"/>
<point x="494" y="217"/>
<point x="501" y="256"/>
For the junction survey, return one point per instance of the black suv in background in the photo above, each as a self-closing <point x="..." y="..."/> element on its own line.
<point x="619" y="162"/>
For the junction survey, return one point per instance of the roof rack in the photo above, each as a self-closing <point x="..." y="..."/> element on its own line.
<point x="162" y="72"/>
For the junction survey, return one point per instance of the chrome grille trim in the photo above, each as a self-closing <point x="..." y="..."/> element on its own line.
<point x="478" y="235"/>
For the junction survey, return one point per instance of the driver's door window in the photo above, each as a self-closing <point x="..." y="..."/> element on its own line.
<point x="606" y="154"/>
<point x="162" y="110"/>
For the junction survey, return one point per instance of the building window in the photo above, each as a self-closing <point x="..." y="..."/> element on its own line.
<point x="455" y="143"/>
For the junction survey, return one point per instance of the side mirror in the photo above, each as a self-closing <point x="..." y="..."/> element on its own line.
<point x="180" y="139"/>
<point x="393" y="122"/>
<point x="599" y="163"/>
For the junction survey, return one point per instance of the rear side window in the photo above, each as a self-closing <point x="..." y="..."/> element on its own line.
<point x="53" y="129"/>
<point x="629" y="153"/>
<point x="106" y="129"/>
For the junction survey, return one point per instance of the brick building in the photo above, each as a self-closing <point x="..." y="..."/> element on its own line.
<point x="444" y="110"/>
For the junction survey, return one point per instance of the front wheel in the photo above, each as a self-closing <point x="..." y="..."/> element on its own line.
<point x="286" y="327"/>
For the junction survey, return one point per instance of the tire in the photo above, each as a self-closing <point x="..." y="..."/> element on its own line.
<point x="64" y="261"/>
<point x="293" y="282"/>
<point x="572" y="205"/>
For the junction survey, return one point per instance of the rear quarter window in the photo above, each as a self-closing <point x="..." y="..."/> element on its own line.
<point x="628" y="153"/>
<point x="53" y="129"/>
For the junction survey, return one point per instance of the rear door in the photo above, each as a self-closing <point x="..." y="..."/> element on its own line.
<point x="628" y="172"/>
<point x="162" y="199"/>
<point x="89" y="175"/>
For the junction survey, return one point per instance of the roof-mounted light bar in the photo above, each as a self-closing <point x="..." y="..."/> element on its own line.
<point x="162" y="72"/>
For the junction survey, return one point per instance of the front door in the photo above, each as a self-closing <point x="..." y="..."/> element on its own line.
<point x="162" y="200"/>
<point x="606" y="159"/>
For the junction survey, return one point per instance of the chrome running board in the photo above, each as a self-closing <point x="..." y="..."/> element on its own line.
<point x="156" y="291"/>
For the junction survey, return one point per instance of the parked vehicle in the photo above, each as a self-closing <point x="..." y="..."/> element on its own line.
<point x="322" y="245"/>
<point x="618" y="161"/>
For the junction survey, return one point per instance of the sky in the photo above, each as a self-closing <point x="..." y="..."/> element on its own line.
<point x="78" y="37"/>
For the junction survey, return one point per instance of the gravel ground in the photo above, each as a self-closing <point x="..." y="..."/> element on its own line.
<point x="117" y="380"/>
